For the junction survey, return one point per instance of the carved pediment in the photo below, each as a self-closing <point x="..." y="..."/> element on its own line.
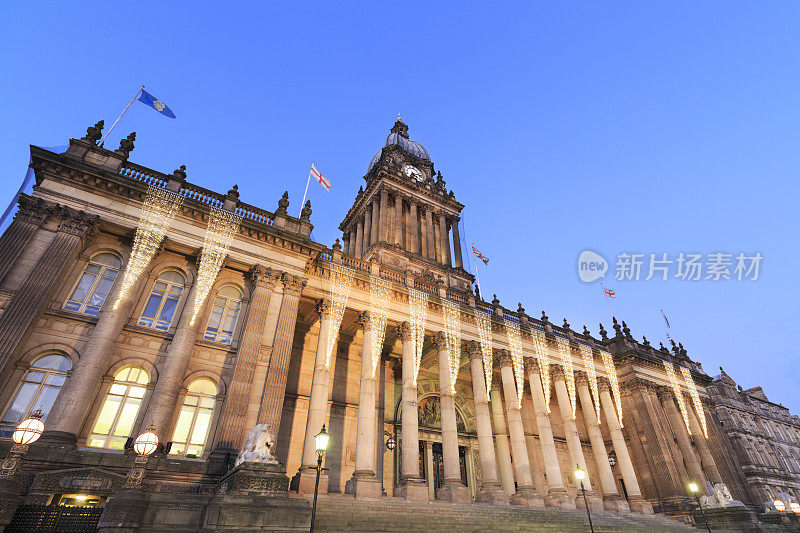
<point x="93" y="480"/>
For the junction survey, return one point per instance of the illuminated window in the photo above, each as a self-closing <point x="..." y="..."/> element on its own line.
<point x="121" y="406"/>
<point x="191" y="431"/>
<point x="38" y="390"/>
<point x="163" y="300"/>
<point x="223" y="317"/>
<point x="93" y="287"/>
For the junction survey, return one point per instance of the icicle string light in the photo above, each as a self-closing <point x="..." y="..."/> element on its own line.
<point x="158" y="211"/>
<point x="452" y="328"/>
<point x="379" y="292"/>
<point x="485" y="335"/>
<point x="341" y="281"/>
<point x="418" y="304"/>
<point x="588" y="363"/>
<point x="222" y="226"/>
<point x="569" y="372"/>
<point x="514" y="341"/>
<point x="544" y="364"/>
<point x="698" y="405"/>
<point x="676" y="388"/>
<point x="611" y="372"/>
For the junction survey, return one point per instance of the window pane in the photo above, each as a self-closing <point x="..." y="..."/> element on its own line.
<point x="46" y="400"/>
<point x="183" y="425"/>
<point x="107" y="415"/>
<point x="111" y="273"/>
<point x="20" y="404"/>
<point x="213" y="321"/>
<point x="201" y="427"/>
<point x="94" y="269"/>
<point x="190" y="400"/>
<point x="72" y="306"/>
<point x="203" y="386"/>
<point x="117" y="443"/>
<point x="127" y="417"/>
<point x="83" y="288"/>
<point x="118" y="389"/>
<point x="123" y="373"/>
<point x="35" y="376"/>
<point x="170" y="304"/>
<point x="177" y="448"/>
<point x="151" y="308"/>
<point x="136" y="392"/>
<point x="108" y="260"/>
<point x="56" y="379"/>
<point x="101" y="291"/>
<point x="194" y="450"/>
<point x="53" y="362"/>
<point x="230" y="321"/>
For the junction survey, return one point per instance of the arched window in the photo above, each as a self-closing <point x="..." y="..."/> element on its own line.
<point x="38" y="390"/>
<point x="163" y="300"/>
<point x="120" y="408"/>
<point x="191" y="431"/>
<point x="224" y="315"/>
<point x="94" y="285"/>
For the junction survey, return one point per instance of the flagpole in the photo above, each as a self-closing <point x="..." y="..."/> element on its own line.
<point x="475" y="266"/>
<point x="608" y="302"/>
<point x="669" y="328"/>
<point x="306" y="193"/>
<point x="135" y="96"/>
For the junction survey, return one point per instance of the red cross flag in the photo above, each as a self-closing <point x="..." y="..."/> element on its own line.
<point x="322" y="180"/>
<point x="480" y="255"/>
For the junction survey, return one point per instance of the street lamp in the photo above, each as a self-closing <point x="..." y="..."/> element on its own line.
<point x="580" y="475"/>
<point x="27" y="432"/>
<point x="321" y="440"/>
<point x="694" y="489"/>
<point x="144" y="445"/>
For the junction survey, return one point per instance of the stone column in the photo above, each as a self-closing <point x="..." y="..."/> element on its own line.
<point x="429" y="239"/>
<point x="317" y="405"/>
<point x="412" y="233"/>
<point x="232" y="430"/>
<point x="365" y="483"/>
<point x="453" y="490"/>
<point x="526" y="493"/>
<point x="383" y="236"/>
<point x="700" y="441"/>
<point x="359" y="237"/>
<point x="571" y="436"/>
<point x="445" y="240"/>
<point x="29" y="218"/>
<point x="690" y="458"/>
<point x="398" y="219"/>
<point x="25" y="306"/>
<point x="367" y="233"/>
<point x="275" y="384"/>
<point x="611" y="497"/>
<point x="501" y="440"/>
<point x="557" y="494"/>
<point x="376" y="220"/>
<point x="637" y="503"/>
<point x="412" y="486"/>
<point x="490" y="490"/>
<point x="457" y="244"/>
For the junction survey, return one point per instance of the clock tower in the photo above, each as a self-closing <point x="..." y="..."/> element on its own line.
<point x="405" y="218"/>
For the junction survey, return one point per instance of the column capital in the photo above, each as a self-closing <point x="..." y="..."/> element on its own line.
<point x="581" y="378"/>
<point x="322" y="309"/>
<point x="531" y="365"/>
<point x="76" y="222"/>
<point x="403" y="330"/>
<point x="556" y="372"/>
<point x="33" y="210"/>
<point x="503" y="358"/>
<point x="364" y="320"/>
<point x="603" y="385"/>
<point x="440" y="341"/>
<point x="293" y="284"/>
<point x="262" y="276"/>
<point x="474" y="350"/>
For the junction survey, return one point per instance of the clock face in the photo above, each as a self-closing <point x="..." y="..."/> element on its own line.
<point x="413" y="172"/>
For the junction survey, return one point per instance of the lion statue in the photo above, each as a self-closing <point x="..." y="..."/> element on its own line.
<point x="721" y="498"/>
<point x="257" y="447"/>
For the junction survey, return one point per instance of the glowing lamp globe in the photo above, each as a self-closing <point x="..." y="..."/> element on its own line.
<point x="321" y="440"/>
<point x="29" y="430"/>
<point x="580" y="474"/>
<point x="693" y="487"/>
<point x="795" y="507"/>
<point x="147" y="442"/>
<point x="779" y="505"/>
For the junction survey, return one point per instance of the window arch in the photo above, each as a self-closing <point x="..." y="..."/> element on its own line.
<point x="38" y="390"/>
<point x="224" y="315"/>
<point x="120" y="408"/>
<point x="94" y="285"/>
<point x="194" y="420"/>
<point x="163" y="300"/>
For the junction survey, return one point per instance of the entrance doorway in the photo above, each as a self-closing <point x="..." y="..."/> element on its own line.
<point x="438" y="466"/>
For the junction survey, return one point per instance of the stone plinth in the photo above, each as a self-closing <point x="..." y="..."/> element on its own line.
<point x="559" y="499"/>
<point x="493" y="494"/>
<point x="454" y="491"/>
<point x="616" y="504"/>
<point x="727" y="518"/>
<point x="124" y="512"/>
<point x="9" y="500"/>
<point x="306" y="480"/>
<point x="412" y="489"/>
<point x="364" y="486"/>
<point x="254" y="478"/>
<point x="641" y="506"/>
<point x="526" y="497"/>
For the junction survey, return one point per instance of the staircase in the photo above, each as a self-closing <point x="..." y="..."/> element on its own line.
<point x="344" y="513"/>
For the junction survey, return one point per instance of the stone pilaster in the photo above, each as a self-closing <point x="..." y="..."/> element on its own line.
<point x="526" y="493"/>
<point x="445" y="240"/>
<point x="490" y="490"/>
<point x="690" y="458"/>
<point x="232" y="430"/>
<point x="275" y="385"/>
<point x="429" y="239"/>
<point x="457" y="244"/>
<point x="398" y="219"/>
<point x="366" y="233"/>
<point x="412" y="486"/>
<point x="29" y="218"/>
<point x="501" y="441"/>
<point x="700" y="441"/>
<point x="453" y="490"/>
<point x="383" y="235"/>
<point x="376" y="220"/>
<point x="412" y="238"/>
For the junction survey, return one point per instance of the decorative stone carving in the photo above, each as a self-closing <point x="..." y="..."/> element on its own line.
<point x="263" y="276"/>
<point x="556" y="372"/>
<point x="283" y="204"/>
<point x="76" y="222"/>
<point x="439" y="341"/>
<point x="474" y="350"/>
<point x="581" y="378"/>
<point x="503" y="358"/>
<point x="364" y="320"/>
<point x="293" y="284"/>
<point x="721" y="498"/>
<point x="256" y="448"/>
<point x="305" y="213"/>
<point x="126" y="145"/>
<point x="94" y="133"/>
<point x="403" y="330"/>
<point x="531" y="365"/>
<point x="322" y="308"/>
<point x="33" y="210"/>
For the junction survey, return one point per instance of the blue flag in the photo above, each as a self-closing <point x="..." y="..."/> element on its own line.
<point x="155" y="103"/>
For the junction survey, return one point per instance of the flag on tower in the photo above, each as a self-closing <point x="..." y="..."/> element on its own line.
<point x="665" y="318"/>
<point x="480" y="255"/>
<point x="148" y="99"/>
<point x="322" y="180"/>
<point x="610" y="292"/>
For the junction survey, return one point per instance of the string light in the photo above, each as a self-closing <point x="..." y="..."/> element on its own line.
<point x="452" y="327"/>
<point x="569" y="373"/>
<point x="698" y="405"/>
<point x="611" y="372"/>
<point x="588" y="363"/>
<point x="341" y="280"/>
<point x="676" y="389"/>
<point x="222" y="226"/>
<point x="512" y="330"/>
<point x="544" y="364"/>
<point x="418" y="304"/>
<point x="485" y="335"/>
<point x="158" y="211"/>
<point x="379" y="292"/>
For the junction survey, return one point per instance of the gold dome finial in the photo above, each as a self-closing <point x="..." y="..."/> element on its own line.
<point x="398" y="118"/>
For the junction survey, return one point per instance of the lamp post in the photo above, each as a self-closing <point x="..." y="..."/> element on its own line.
<point x="580" y="475"/>
<point x="144" y="445"/>
<point x="694" y="489"/>
<point x="27" y="432"/>
<point x="321" y="440"/>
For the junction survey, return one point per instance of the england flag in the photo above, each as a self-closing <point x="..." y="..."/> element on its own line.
<point x="322" y="180"/>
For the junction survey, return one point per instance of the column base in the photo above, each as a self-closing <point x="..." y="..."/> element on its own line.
<point x="412" y="489"/>
<point x="59" y="439"/>
<point x="454" y="491"/>
<point x="364" y="485"/>
<point x="615" y="503"/>
<point x="559" y="499"/>
<point x="493" y="494"/>
<point x="526" y="497"/>
<point x="594" y="501"/>
<point x="123" y="512"/>
<point x="305" y="480"/>
<point x="641" y="506"/>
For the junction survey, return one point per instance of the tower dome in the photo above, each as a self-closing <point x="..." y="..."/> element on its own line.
<point x="399" y="137"/>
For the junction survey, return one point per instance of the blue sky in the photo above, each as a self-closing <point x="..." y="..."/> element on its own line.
<point x="614" y="126"/>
